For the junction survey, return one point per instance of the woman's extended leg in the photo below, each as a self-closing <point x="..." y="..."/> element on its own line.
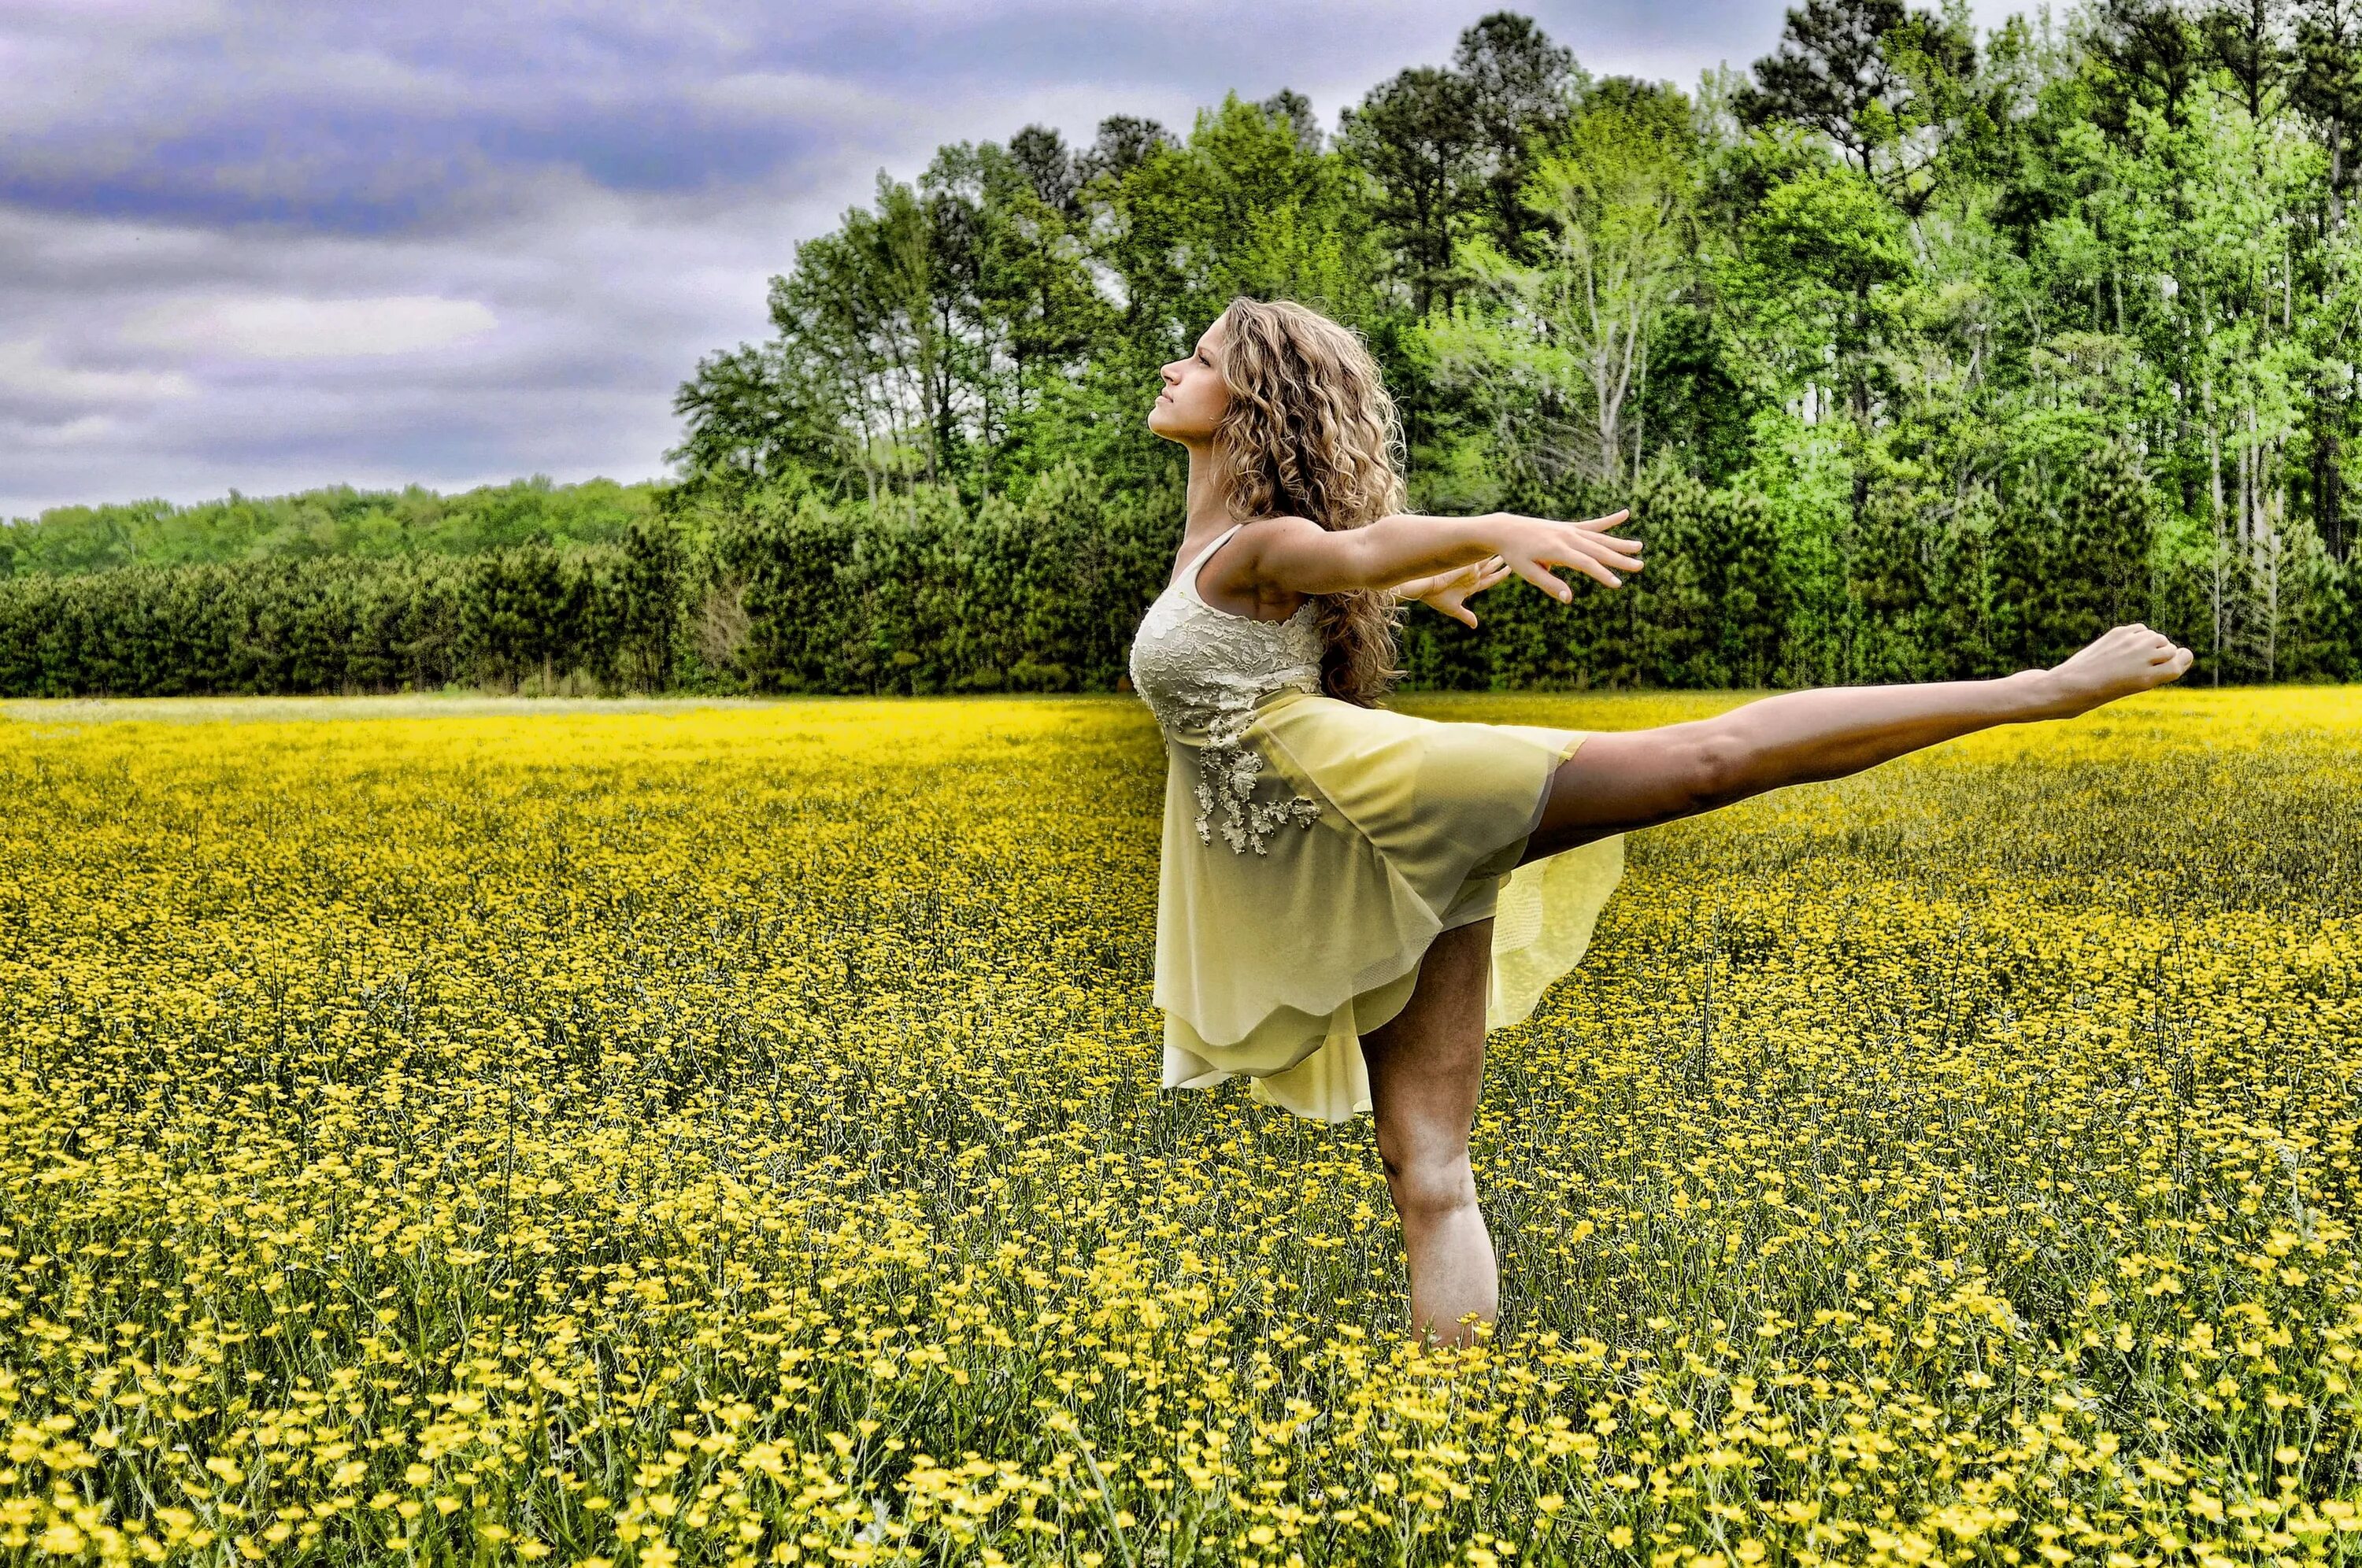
<point x="1426" y="1065"/>
<point x="1621" y="779"/>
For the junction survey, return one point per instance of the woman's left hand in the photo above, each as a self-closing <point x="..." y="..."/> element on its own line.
<point x="1447" y="592"/>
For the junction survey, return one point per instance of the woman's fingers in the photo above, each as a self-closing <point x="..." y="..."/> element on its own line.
<point x="1592" y="555"/>
<point x="1470" y="581"/>
<point x="1578" y="544"/>
<point x="1624" y="552"/>
<point x="1548" y="581"/>
<point x="1587" y="536"/>
<point x="1581" y="563"/>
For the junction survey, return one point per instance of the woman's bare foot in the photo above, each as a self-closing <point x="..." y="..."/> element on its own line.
<point x="2117" y="663"/>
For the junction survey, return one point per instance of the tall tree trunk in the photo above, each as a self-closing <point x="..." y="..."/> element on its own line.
<point x="1641" y="415"/>
<point x="2214" y="574"/>
<point x="2328" y="480"/>
<point x="2336" y="137"/>
<point x="2213" y="463"/>
<point x="2268" y="547"/>
<point x="1859" y="398"/>
<point x="2239" y="502"/>
<point x="2182" y="443"/>
<point x="2250" y="484"/>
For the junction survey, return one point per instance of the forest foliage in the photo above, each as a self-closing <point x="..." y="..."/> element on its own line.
<point x="1917" y="354"/>
<point x="336" y="521"/>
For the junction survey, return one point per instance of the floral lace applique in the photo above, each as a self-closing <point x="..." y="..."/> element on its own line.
<point x="1227" y="770"/>
<point x="1199" y="669"/>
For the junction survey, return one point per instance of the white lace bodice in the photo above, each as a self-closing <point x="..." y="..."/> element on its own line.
<point x="1203" y="671"/>
<point x="1193" y="663"/>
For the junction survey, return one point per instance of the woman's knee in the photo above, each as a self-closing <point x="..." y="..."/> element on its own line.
<point x="1721" y="767"/>
<point x="1429" y="1185"/>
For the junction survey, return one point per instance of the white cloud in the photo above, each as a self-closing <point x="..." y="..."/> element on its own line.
<point x="807" y="97"/>
<point x="311" y="329"/>
<point x="89" y="431"/>
<point x="27" y="370"/>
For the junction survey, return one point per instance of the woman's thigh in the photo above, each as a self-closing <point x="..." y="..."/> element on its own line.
<point x="1426" y="1063"/>
<point x="1618" y="780"/>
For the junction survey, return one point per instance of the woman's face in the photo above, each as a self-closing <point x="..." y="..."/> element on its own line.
<point x="1194" y="396"/>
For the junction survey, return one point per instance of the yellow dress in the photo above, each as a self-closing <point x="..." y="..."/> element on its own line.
<point x="1313" y="848"/>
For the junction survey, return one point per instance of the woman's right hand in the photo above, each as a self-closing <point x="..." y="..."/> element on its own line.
<point x="1448" y="593"/>
<point x="1532" y="546"/>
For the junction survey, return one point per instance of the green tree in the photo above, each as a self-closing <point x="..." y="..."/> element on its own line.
<point x="1869" y="75"/>
<point x="1522" y="89"/>
<point x="1418" y="138"/>
<point x="1555" y="352"/>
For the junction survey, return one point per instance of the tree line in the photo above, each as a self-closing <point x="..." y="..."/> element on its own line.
<point x="920" y="593"/>
<point x="1918" y="356"/>
<point x="336" y="521"/>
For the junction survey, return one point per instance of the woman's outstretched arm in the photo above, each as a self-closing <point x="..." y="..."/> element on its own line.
<point x="1297" y="555"/>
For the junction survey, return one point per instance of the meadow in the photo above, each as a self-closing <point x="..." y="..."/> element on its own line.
<point x="677" y="1133"/>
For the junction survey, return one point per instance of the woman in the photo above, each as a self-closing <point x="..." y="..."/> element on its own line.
<point x="1352" y="898"/>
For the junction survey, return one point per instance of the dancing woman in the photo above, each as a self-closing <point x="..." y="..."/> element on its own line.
<point x="1351" y="899"/>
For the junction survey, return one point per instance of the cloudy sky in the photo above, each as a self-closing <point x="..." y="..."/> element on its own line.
<point x="268" y="245"/>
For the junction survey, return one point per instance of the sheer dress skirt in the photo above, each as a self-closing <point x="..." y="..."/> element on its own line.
<point x="1388" y="829"/>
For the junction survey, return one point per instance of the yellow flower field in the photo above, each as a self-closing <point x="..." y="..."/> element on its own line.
<point x="671" y="1133"/>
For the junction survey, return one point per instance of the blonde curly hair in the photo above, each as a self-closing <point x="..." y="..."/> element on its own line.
<point x="1311" y="431"/>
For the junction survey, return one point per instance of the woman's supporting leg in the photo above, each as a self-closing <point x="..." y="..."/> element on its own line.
<point x="1426" y="1065"/>
<point x="1618" y="780"/>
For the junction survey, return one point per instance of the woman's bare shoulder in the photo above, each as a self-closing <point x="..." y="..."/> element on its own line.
<point x="1283" y="556"/>
<point x="1261" y="533"/>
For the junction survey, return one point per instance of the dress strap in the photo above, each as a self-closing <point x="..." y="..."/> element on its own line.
<point x="1190" y="578"/>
